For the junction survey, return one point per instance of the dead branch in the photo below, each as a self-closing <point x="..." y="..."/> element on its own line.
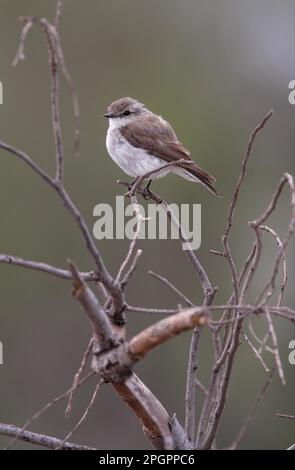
<point x="78" y="375"/>
<point x="46" y="268"/>
<point x="221" y="371"/>
<point x="10" y="430"/>
<point x="165" y="329"/>
<point x="100" y="323"/>
<point x="172" y="287"/>
<point x="280" y="415"/>
<point x="83" y="417"/>
<point x="253" y="410"/>
<point x="47" y="406"/>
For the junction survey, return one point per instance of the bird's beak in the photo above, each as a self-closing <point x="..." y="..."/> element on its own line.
<point x="108" y="115"/>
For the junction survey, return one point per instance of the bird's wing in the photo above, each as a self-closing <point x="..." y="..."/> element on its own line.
<point x="156" y="136"/>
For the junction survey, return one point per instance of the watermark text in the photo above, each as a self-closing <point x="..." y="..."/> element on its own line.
<point x="122" y="222"/>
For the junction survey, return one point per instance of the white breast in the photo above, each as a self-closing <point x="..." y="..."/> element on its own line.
<point x="133" y="161"/>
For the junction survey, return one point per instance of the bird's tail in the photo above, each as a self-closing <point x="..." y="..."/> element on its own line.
<point x="194" y="173"/>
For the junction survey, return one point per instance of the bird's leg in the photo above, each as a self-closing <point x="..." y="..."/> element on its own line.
<point x="129" y="185"/>
<point x="132" y="183"/>
<point x="131" y="191"/>
<point x="124" y="183"/>
<point x="146" y="192"/>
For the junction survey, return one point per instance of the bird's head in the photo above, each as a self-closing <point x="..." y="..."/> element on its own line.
<point x="124" y="110"/>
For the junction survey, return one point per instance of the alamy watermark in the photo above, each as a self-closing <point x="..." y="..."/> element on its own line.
<point x="292" y="93"/>
<point x="291" y="356"/>
<point x="122" y="222"/>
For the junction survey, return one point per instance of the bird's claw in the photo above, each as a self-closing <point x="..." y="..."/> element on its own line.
<point x="129" y="187"/>
<point x="147" y="194"/>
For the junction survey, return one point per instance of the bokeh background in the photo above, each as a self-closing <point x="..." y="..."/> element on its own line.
<point x="213" y="69"/>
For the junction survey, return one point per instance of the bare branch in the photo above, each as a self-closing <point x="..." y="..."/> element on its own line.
<point x="253" y="410"/>
<point x="256" y="353"/>
<point x="231" y="210"/>
<point x="190" y="395"/>
<point x="39" y="439"/>
<point x="25" y="158"/>
<point x="280" y="415"/>
<point x="165" y="329"/>
<point x="46" y="268"/>
<point x="211" y="414"/>
<point x="84" y="416"/>
<point x="100" y="323"/>
<point x="48" y="406"/>
<point x="68" y="78"/>
<point x="284" y="263"/>
<point x="59" y="5"/>
<point x="286" y="179"/>
<point x="131" y="268"/>
<point x="292" y="447"/>
<point x="104" y="276"/>
<point x="209" y="293"/>
<point x="131" y="250"/>
<point x="56" y="57"/>
<point x="172" y="287"/>
<point x="20" y="53"/>
<point x="158" y="311"/>
<point x="77" y="376"/>
<point x="55" y="111"/>
<point x="276" y="348"/>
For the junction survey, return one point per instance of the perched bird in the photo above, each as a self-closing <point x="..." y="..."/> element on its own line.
<point x="139" y="141"/>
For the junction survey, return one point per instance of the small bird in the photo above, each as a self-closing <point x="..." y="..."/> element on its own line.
<point x="139" y="142"/>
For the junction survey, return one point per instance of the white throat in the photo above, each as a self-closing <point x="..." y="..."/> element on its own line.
<point x="117" y="123"/>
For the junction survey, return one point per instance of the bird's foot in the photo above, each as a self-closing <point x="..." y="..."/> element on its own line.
<point x="146" y="192"/>
<point x="124" y="183"/>
<point x="130" y="187"/>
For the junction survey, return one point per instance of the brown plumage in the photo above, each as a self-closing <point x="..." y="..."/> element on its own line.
<point x="157" y="137"/>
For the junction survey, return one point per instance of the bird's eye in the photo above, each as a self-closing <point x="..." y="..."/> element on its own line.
<point x="126" y="113"/>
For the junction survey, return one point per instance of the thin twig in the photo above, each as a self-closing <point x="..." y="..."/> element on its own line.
<point x="131" y="268"/>
<point x="39" y="439"/>
<point x="171" y="286"/>
<point x="59" y="5"/>
<point x="100" y="323"/>
<point x="55" y="111"/>
<point x="221" y="375"/>
<point x="83" y="417"/>
<point x="256" y="353"/>
<point x="190" y="396"/>
<point x="48" y="405"/>
<point x="276" y="348"/>
<point x="46" y="268"/>
<point x="20" y="53"/>
<point x="131" y="249"/>
<point x="164" y="311"/>
<point x="286" y="179"/>
<point x="232" y="206"/>
<point x="78" y="376"/>
<point x="104" y="276"/>
<point x="281" y="415"/>
<point x="284" y="262"/>
<point x="253" y="410"/>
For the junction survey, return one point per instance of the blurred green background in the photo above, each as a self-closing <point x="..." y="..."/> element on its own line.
<point x="213" y="69"/>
